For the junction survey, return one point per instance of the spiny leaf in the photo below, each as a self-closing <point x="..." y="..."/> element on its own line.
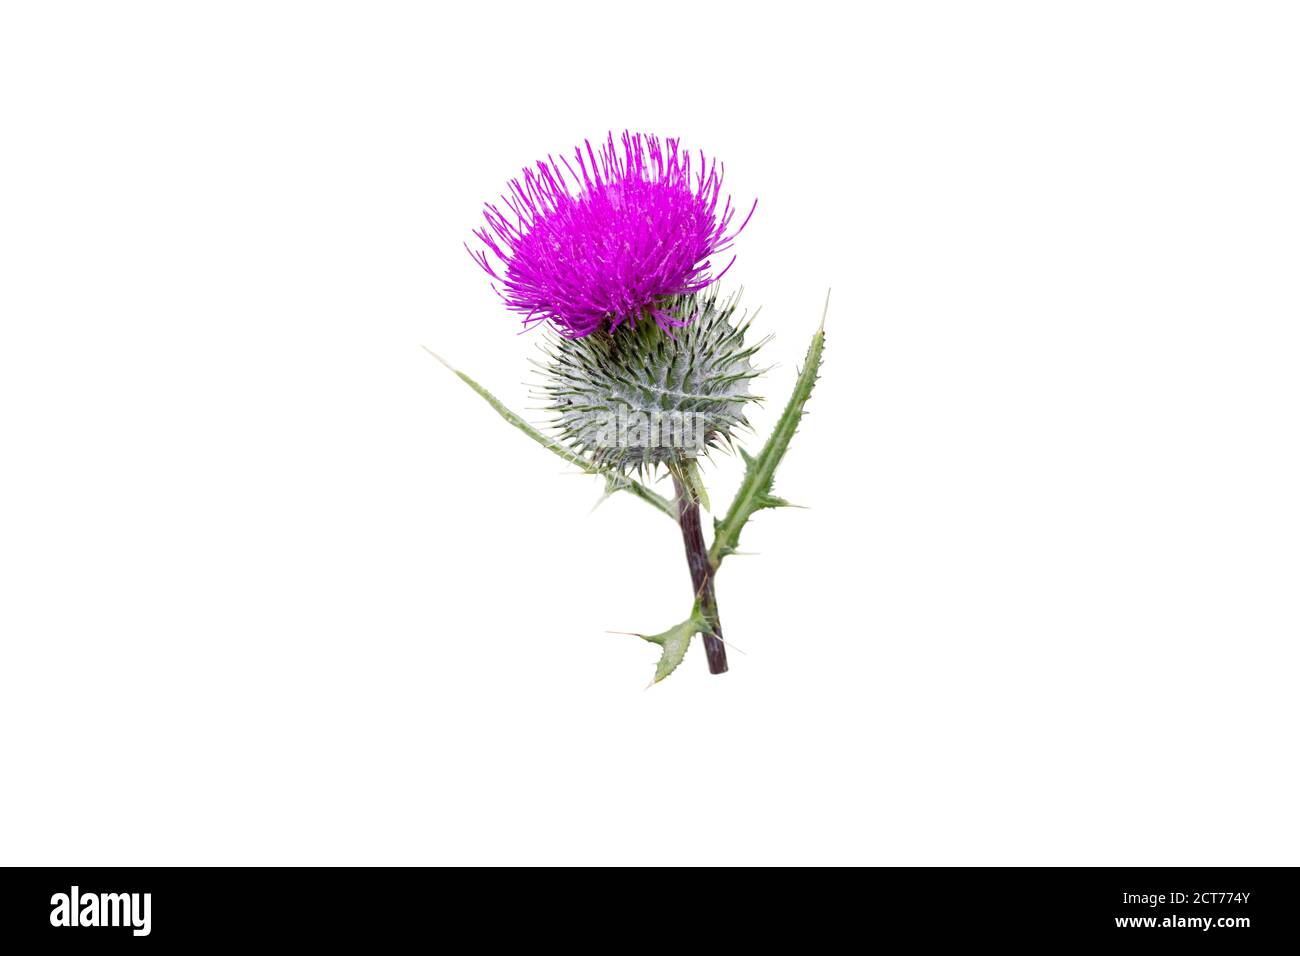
<point x="676" y="640"/>
<point x="613" y="480"/>
<point x="755" y="492"/>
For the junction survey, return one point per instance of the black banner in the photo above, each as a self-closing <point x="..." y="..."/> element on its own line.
<point x="97" y="908"/>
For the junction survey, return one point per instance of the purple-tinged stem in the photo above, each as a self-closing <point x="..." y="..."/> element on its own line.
<point x="697" y="558"/>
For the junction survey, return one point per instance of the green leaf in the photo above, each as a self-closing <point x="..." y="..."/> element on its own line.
<point x="755" y="492"/>
<point x="697" y="484"/>
<point x="676" y="640"/>
<point x="613" y="480"/>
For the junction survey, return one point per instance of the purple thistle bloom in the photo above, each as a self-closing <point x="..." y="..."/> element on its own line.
<point x="642" y="226"/>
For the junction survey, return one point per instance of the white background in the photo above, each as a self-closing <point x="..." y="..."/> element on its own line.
<point x="277" y="588"/>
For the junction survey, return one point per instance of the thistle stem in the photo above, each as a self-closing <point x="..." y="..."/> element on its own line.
<point x="697" y="558"/>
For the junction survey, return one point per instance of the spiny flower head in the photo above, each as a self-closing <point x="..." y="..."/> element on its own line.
<point x="609" y="237"/>
<point x="645" y="397"/>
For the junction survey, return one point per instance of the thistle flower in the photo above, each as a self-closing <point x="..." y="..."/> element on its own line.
<point x="611" y="240"/>
<point x="627" y="237"/>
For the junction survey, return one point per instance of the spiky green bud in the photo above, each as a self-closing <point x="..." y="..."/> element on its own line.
<point x="640" y="396"/>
